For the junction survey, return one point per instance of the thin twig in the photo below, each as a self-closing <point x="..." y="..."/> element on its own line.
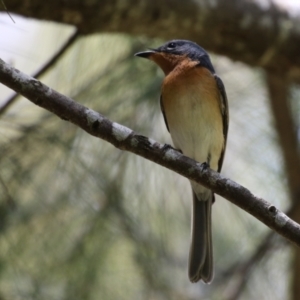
<point x="236" y="276"/>
<point x="69" y="42"/>
<point x="241" y="273"/>
<point x="7" y="11"/>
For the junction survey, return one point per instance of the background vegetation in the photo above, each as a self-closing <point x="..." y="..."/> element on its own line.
<point x="80" y="219"/>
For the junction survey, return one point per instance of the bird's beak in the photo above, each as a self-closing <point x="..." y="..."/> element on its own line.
<point x="145" y="54"/>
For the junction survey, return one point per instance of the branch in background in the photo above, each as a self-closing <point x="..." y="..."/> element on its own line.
<point x="4" y="6"/>
<point x="278" y="87"/>
<point x="237" y="275"/>
<point x="234" y="25"/>
<point x="126" y="139"/>
<point x="69" y="42"/>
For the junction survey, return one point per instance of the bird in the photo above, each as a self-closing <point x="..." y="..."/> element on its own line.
<point x="195" y="109"/>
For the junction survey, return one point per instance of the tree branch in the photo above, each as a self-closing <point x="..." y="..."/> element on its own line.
<point x="278" y="87"/>
<point x="235" y="25"/>
<point x="238" y="276"/>
<point x="52" y="61"/>
<point x="126" y="139"/>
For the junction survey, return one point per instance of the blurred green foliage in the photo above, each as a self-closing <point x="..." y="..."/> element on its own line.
<point x="80" y="219"/>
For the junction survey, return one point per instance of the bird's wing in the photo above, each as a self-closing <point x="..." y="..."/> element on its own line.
<point x="225" y="116"/>
<point x="163" y="112"/>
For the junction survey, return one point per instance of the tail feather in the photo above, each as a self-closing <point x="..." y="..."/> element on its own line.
<point x="201" y="254"/>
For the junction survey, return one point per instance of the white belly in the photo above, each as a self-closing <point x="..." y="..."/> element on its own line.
<point x="196" y="129"/>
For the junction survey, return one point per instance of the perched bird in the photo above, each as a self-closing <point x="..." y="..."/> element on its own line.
<point x="194" y="105"/>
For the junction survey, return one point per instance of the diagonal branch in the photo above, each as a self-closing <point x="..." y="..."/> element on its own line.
<point x="126" y="139"/>
<point x="52" y="61"/>
<point x="238" y="275"/>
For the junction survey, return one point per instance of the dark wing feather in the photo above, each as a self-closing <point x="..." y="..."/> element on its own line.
<point x="163" y="112"/>
<point x="225" y="116"/>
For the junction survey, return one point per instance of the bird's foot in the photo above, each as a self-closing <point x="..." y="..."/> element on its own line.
<point x="167" y="147"/>
<point x="205" y="166"/>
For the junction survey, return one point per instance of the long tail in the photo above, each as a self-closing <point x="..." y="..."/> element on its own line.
<point x="201" y="252"/>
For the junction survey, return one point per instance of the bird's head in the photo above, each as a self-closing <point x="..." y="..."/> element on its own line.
<point x="174" y="52"/>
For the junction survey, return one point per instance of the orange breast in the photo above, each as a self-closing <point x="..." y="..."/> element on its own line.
<point x="191" y="101"/>
<point x="186" y="76"/>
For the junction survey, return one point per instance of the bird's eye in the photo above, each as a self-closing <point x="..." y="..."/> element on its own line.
<point x="171" y="45"/>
